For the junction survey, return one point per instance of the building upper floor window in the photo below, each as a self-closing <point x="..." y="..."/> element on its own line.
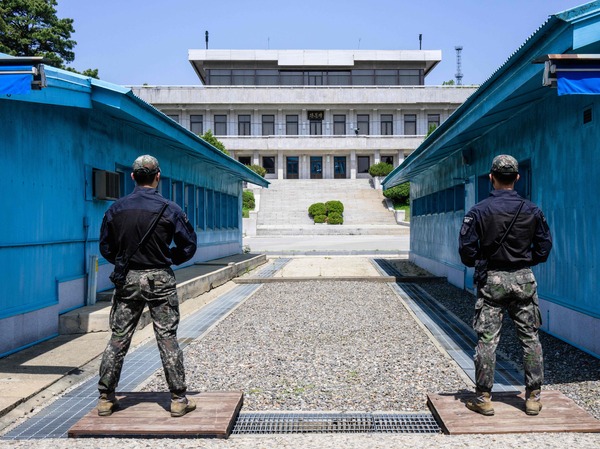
<point x="246" y="160"/>
<point x="339" y="124"/>
<point x="433" y="121"/>
<point x="387" y="124"/>
<point x="362" y="123"/>
<point x="410" y="124"/>
<point x="291" y="125"/>
<point x="220" y="125"/>
<point x="268" y="125"/>
<point x="357" y="77"/>
<point x="316" y="127"/>
<point x="197" y="124"/>
<point x="244" y="125"/>
<point x="174" y="117"/>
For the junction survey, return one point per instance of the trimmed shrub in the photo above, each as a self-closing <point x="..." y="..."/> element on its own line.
<point x="320" y="218"/>
<point x="380" y="169"/>
<point x="334" y="206"/>
<point x="317" y="209"/>
<point x="261" y="171"/>
<point x="398" y="194"/>
<point x="334" y="218"/>
<point x="248" y="201"/>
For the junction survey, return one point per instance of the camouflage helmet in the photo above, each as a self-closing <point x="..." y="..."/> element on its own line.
<point x="505" y="164"/>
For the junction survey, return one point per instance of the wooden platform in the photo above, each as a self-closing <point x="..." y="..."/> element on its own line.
<point x="559" y="414"/>
<point x="147" y="415"/>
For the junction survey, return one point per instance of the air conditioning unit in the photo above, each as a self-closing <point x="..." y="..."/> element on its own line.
<point x="107" y="185"/>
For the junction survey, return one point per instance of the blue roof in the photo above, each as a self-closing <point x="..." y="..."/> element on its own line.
<point x="70" y="89"/>
<point x="513" y="87"/>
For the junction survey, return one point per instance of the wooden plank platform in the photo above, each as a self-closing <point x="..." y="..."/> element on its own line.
<point x="559" y="414"/>
<point x="147" y="415"/>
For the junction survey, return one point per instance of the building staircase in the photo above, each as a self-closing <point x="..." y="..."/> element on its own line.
<point x="283" y="208"/>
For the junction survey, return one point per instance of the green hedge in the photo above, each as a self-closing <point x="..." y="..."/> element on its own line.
<point x="248" y="201"/>
<point x="380" y="169"/>
<point x="261" y="171"/>
<point x="317" y="209"/>
<point x="398" y="194"/>
<point x="334" y="218"/>
<point x="329" y="212"/>
<point x="334" y="206"/>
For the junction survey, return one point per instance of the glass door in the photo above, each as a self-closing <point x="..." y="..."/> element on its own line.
<point x="339" y="167"/>
<point x="316" y="167"/>
<point x="291" y="164"/>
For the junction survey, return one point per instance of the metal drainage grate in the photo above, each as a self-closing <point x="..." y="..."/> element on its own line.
<point x="279" y="423"/>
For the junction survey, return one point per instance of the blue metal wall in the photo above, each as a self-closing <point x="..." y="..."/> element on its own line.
<point x="51" y="222"/>
<point x="564" y="157"/>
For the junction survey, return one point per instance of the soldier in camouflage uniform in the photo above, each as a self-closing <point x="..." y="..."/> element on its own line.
<point x="147" y="280"/>
<point x="504" y="279"/>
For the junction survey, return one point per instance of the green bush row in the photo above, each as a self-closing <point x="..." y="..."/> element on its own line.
<point x="248" y="201"/>
<point x="380" y="169"/>
<point x="329" y="212"/>
<point x="399" y="194"/>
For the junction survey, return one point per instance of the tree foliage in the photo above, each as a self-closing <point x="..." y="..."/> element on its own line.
<point x="398" y="194"/>
<point x="210" y="138"/>
<point x="31" y="28"/>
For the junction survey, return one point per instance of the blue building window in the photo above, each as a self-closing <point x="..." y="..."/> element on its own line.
<point x="201" y="208"/>
<point x="210" y="209"/>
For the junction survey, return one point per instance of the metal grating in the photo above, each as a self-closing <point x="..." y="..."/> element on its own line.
<point x="283" y="423"/>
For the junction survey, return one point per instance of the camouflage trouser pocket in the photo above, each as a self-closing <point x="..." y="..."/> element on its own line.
<point x="477" y="319"/>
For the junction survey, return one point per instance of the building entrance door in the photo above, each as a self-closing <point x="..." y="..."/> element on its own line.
<point x="291" y="164"/>
<point x="316" y="167"/>
<point x="339" y="167"/>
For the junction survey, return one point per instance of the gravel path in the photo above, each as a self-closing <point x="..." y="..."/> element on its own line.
<point x="321" y="346"/>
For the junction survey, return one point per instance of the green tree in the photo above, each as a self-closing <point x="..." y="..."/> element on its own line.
<point x="31" y="28"/>
<point x="448" y="83"/>
<point x="210" y="138"/>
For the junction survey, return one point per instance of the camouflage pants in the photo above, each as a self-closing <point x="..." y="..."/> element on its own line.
<point x="515" y="292"/>
<point x="157" y="289"/>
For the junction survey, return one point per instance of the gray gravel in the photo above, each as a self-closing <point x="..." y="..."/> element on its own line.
<point x="321" y="346"/>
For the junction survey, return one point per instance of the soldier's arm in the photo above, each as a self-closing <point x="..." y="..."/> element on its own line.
<point x="106" y="244"/>
<point x="468" y="240"/>
<point x="542" y="240"/>
<point x="184" y="239"/>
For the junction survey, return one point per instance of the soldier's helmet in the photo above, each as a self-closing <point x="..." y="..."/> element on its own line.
<point x="505" y="164"/>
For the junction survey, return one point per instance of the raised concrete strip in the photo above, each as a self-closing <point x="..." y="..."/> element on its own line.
<point x="193" y="281"/>
<point x="255" y="280"/>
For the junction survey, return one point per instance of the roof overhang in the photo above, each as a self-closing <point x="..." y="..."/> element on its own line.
<point x="19" y="75"/>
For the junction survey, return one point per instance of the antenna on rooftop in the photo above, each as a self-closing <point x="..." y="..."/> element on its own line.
<point x="359" y="42"/>
<point x="459" y="74"/>
<point x="420" y="41"/>
<point x="206" y="38"/>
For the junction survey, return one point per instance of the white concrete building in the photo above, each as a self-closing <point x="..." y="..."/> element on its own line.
<point x="311" y="113"/>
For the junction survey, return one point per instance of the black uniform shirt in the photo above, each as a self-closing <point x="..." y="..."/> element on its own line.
<point x="527" y="244"/>
<point x="128" y="219"/>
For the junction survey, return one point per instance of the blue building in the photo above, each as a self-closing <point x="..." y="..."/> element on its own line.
<point x="67" y="143"/>
<point x="543" y="107"/>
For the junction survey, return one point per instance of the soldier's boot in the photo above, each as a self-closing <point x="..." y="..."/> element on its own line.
<point x="533" y="404"/>
<point x="181" y="405"/>
<point x="482" y="403"/>
<point x="107" y="404"/>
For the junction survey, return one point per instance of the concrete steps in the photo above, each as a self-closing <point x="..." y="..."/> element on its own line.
<point x="284" y="208"/>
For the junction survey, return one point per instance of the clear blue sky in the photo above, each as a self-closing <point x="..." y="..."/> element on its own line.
<point x="133" y="42"/>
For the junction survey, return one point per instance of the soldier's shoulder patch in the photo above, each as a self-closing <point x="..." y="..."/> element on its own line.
<point x="467" y="222"/>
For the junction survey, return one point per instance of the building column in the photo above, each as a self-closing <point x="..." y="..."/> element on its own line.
<point x="377" y="157"/>
<point x="353" y="164"/>
<point x="255" y="158"/>
<point x="400" y="156"/>
<point x="280" y="165"/>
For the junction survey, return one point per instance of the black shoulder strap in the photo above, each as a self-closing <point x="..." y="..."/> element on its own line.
<point x="147" y="234"/>
<point x="501" y="241"/>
